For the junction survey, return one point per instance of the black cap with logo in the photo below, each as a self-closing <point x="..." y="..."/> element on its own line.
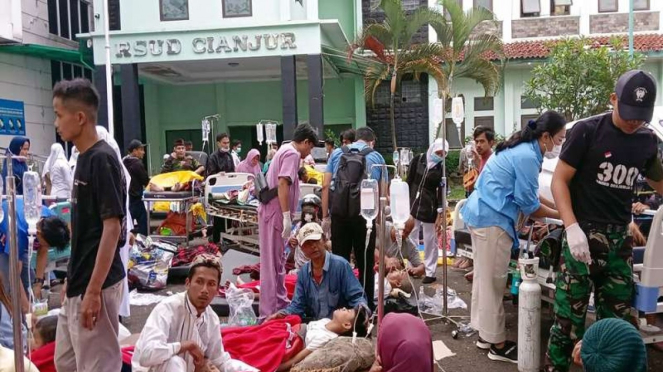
<point x="636" y="91"/>
<point x="135" y="144"/>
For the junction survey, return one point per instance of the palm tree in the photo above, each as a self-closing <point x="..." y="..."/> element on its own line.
<point x="392" y="54"/>
<point x="466" y="52"/>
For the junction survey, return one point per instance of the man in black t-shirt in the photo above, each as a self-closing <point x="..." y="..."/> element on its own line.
<point x="220" y="161"/>
<point x="88" y="323"/>
<point x="139" y="180"/>
<point x="593" y="188"/>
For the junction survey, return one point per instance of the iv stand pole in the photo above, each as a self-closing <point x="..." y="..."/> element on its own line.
<point x="443" y="214"/>
<point x="381" y="230"/>
<point x="14" y="274"/>
<point x="109" y="72"/>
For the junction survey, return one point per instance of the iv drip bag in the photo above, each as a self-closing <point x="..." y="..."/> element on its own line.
<point x="400" y="201"/>
<point x="260" y="133"/>
<point x="369" y="199"/>
<point x="270" y="130"/>
<point x="32" y="198"/>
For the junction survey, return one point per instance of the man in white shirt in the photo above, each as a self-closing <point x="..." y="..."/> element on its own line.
<point x="182" y="333"/>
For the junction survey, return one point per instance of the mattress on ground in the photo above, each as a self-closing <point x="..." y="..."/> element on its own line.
<point x="231" y="259"/>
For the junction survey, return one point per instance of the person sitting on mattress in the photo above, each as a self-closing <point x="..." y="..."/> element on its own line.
<point x="407" y="251"/>
<point x="343" y="323"/>
<point x="325" y="283"/>
<point x="182" y="332"/>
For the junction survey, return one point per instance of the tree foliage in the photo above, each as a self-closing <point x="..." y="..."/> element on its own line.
<point x="579" y="76"/>
<point x="393" y="54"/>
<point x="467" y="52"/>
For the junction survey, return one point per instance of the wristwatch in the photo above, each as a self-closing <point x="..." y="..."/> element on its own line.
<point x="38" y="281"/>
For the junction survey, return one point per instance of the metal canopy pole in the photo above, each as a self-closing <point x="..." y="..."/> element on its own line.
<point x="14" y="274"/>
<point x="109" y="73"/>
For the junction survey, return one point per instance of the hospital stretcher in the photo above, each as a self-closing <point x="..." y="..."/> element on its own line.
<point x="185" y="199"/>
<point x="647" y="268"/>
<point x="245" y="231"/>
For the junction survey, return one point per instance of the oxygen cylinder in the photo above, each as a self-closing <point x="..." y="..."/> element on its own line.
<point x="529" y="316"/>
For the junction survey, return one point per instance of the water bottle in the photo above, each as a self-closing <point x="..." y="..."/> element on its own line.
<point x="32" y="198"/>
<point x="400" y="202"/>
<point x="369" y="199"/>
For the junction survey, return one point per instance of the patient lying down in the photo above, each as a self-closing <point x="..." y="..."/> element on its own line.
<point x="319" y="332"/>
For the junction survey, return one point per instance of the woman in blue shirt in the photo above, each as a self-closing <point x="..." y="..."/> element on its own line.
<point x="507" y="189"/>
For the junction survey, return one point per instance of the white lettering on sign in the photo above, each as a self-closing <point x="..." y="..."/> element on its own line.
<point x="209" y="44"/>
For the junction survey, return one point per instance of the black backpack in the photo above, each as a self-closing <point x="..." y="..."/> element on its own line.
<point x="345" y="200"/>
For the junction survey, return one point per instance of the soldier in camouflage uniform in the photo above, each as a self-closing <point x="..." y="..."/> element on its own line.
<point x="179" y="160"/>
<point x="593" y="188"/>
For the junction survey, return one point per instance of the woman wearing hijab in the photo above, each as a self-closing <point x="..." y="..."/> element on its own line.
<point x="58" y="173"/>
<point x="18" y="146"/>
<point x="404" y="344"/>
<point x="251" y="164"/>
<point x="424" y="177"/>
<point x="103" y="135"/>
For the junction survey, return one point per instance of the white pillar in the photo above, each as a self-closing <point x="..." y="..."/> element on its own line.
<point x="286" y="14"/>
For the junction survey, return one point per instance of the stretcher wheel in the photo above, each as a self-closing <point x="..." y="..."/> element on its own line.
<point x="454" y="334"/>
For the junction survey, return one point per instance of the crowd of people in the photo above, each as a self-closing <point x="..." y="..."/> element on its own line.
<point x="335" y="256"/>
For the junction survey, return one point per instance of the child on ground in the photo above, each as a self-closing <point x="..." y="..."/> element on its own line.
<point x="343" y="323"/>
<point x="43" y="345"/>
<point x="311" y="206"/>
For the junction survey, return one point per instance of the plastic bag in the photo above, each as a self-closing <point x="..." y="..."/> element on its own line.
<point x="433" y="305"/>
<point x="240" y="302"/>
<point x="148" y="267"/>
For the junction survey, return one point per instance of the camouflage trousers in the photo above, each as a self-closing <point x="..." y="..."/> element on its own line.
<point x="610" y="275"/>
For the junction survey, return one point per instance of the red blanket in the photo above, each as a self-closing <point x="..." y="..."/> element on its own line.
<point x="264" y="346"/>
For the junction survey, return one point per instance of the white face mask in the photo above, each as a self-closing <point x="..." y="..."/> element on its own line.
<point x="556" y="150"/>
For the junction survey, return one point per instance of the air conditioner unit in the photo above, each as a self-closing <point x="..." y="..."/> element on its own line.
<point x="11" y="23"/>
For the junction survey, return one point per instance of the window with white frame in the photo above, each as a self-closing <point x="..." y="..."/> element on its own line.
<point x="173" y="10"/>
<point x="530" y="8"/>
<point x="485" y="121"/>
<point x="606" y="6"/>
<point x="237" y="8"/>
<point x="488" y="4"/>
<point x="66" y="18"/>
<point x="560" y="7"/>
<point x="484" y="104"/>
<point x="640" y="4"/>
